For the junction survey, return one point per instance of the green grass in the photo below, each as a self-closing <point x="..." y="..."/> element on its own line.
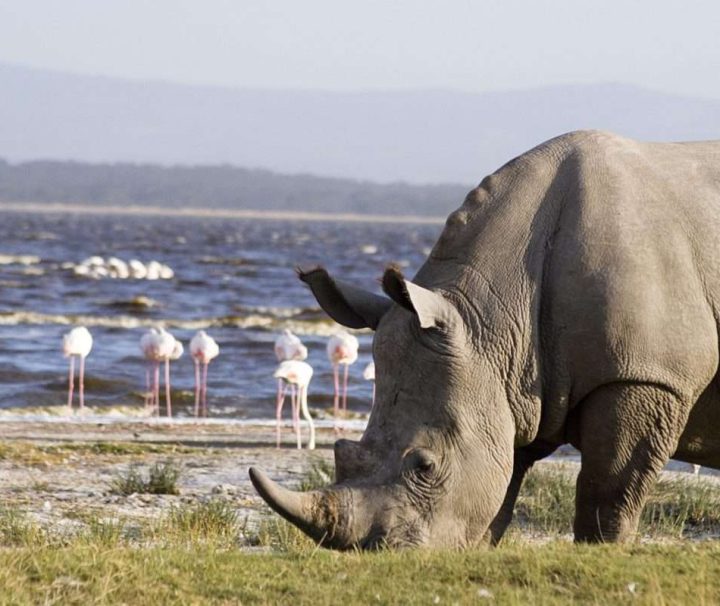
<point x="161" y="479"/>
<point x="676" y="507"/>
<point x="213" y="521"/>
<point x="558" y="573"/>
<point x="191" y="556"/>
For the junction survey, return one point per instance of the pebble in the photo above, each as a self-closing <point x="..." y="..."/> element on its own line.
<point x="227" y="489"/>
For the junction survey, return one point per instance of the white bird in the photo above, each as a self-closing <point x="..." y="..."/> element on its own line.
<point x="289" y="347"/>
<point x="77" y="343"/>
<point x="158" y="345"/>
<point x="117" y="268"/>
<point x="696" y="470"/>
<point x="148" y="347"/>
<point x="369" y="375"/>
<point x="203" y="349"/>
<point x="342" y="348"/>
<point x="298" y="374"/>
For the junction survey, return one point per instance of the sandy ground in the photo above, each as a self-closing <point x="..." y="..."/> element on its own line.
<point x="61" y="488"/>
<point x="223" y="213"/>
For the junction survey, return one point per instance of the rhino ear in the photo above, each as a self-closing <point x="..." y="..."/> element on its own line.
<point x="346" y="304"/>
<point x="430" y="307"/>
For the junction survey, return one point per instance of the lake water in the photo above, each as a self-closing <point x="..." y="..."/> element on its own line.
<point x="234" y="278"/>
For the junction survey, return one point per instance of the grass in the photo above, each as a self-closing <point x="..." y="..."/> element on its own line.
<point x="191" y="555"/>
<point x="676" y="506"/>
<point x="213" y="521"/>
<point x="558" y="573"/>
<point x="39" y="455"/>
<point x="162" y="479"/>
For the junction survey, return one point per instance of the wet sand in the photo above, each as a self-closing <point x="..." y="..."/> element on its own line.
<point x="222" y="213"/>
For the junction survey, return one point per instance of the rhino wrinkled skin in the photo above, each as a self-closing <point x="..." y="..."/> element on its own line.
<point x="573" y="298"/>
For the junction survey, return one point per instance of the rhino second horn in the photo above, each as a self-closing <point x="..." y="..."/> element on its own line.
<point x="316" y="513"/>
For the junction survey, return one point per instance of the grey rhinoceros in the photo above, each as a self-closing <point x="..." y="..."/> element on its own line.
<point x="574" y="298"/>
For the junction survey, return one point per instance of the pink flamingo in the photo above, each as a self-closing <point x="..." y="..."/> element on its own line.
<point x="369" y="375"/>
<point x="297" y="374"/>
<point x="203" y="349"/>
<point x="288" y="347"/>
<point x="158" y="345"/>
<point x="342" y="348"/>
<point x="77" y="343"/>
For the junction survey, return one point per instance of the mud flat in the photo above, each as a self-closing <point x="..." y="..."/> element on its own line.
<point x="59" y="474"/>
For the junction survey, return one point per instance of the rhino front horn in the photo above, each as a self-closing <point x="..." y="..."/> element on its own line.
<point x="316" y="513"/>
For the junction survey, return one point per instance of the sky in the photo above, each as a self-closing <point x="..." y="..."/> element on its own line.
<point x="469" y="45"/>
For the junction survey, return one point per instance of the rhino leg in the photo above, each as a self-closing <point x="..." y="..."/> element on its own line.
<point x="627" y="433"/>
<point x="523" y="460"/>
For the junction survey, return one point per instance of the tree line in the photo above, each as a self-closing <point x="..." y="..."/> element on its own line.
<point x="225" y="187"/>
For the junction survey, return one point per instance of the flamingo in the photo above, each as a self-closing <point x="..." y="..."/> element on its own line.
<point x="148" y="347"/>
<point x="342" y="348"/>
<point x="78" y="342"/>
<point x="203" y="349"/>
<point x="369" y="375"/>
<point x="298" y="374"/>
<point x="288" y="347"/>
<point x="158" y="345"/>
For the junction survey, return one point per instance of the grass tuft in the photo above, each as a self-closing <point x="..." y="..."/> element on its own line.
<point x="17" y="531"/>
<point x="215" y="520"/>
<point x="162" y="479"/>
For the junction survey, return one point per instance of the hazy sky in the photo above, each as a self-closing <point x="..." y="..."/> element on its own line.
<point x="339" y="45"/>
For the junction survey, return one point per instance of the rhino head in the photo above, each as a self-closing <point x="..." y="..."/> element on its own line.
<point x="434" y="463"/>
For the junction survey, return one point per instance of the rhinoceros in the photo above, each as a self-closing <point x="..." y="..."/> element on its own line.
<point x="574" y="297"/>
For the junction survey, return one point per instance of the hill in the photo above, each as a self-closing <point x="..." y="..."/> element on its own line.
<point x="413" y="136"/>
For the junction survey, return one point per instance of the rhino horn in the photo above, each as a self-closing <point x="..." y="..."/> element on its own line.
<point x="430" y="307"/>
<point x="317" y="513"/>
<point x="346" y="304"/>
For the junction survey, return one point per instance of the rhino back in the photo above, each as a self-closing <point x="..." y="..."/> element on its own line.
<point x="588" y="260"/>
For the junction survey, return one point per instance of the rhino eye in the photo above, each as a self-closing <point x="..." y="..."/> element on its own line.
<point x="420" y="461"/>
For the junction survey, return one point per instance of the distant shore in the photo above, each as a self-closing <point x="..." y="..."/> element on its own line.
<point x="221" y="213"/>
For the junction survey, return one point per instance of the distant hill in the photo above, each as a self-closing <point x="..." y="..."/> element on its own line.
<point x="417" y="136"/>
<point x="217" y="187"/>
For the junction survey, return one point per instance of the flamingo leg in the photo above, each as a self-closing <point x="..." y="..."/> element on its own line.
<point x="148" y="396"/>
<point x="307" y="417"/>
<point x="278" y="410"/>
<point x="71" y="381"/>
<point x="345" y="383"/>
<point x="197" y="387"/>
<point x="81" y="382"/>
<point x="294" y="400"/>
<point x="295" y="411"/>
<point x="336" y="400"/>
<point x="204" y="388"/>
<point x="372" y="405"/>
<point x="168" y="403"/>
<point x="156" y="386"/>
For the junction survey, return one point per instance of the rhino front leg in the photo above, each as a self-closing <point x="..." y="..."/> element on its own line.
<point x="627" y="434"/>
<point x="523" y="460"/>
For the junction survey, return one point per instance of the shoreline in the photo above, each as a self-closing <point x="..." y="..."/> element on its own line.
<point x="219" y="213"/>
